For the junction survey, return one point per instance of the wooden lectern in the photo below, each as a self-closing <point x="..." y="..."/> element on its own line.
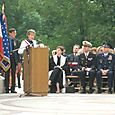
<point x="36" y="71"/>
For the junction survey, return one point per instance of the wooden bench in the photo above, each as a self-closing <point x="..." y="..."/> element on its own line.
<point x="73" y="81"/>
<point x="104" y="82"/>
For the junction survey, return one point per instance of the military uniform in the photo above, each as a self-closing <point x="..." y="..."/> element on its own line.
<point x="114" y="71"/>
<point x="87" y="66"/>
<point x="105" y="62"/>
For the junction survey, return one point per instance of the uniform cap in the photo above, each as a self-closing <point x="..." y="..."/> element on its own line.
<point x="86" y="43"/>
<point x="106" y="45"/>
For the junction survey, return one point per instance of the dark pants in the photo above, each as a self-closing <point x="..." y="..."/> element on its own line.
<point x="74" y="80"/>
<point x="18" y="78"/>
<point x="83" y="78"/>
<point x="99" y="79"/>
<point x="56" y="77"/>
<point x="114" y="80"/>
<point x="7" y="75"/>
<point x="13" y="72"/>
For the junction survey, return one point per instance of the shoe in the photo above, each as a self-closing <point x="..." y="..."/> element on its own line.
<point x="57" y="92"/>
<point x="110" y="91"/>
<point x="13" y="92"/>
<point x="7" y="92"/>
<point x="19" y="86"/>
<point x="91" y="91"/>
<point x="99" y="91"/>
<point x="83" y="91"/>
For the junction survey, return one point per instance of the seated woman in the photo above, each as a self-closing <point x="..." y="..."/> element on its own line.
<point x="58" y="67"/>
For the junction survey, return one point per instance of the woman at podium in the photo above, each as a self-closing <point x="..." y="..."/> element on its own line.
<point x="58" y="68"/>
<point x="29" y="42"/>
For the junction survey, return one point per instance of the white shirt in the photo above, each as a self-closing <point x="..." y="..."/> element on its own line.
<point x="105" y="54"/>
<point x="24" y="44"/>
<point x="86" y="54"/>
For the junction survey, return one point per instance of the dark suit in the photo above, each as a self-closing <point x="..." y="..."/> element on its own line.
<point x="87" y="62"/>
<point x="105" y="62"/>
<point x="73" y="63"/>
<point x="114" y="72"/>
<point x="14" y="59"/>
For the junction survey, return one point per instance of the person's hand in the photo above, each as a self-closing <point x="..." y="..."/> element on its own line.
<point x="83" y="68"/>
<point x="59" y="67"/>
<point x="88" y="69"/>
<point x="104" y="72"/>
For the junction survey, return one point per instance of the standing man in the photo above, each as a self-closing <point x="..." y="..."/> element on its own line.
<point x="14" y="60"/>
<point x="87" y="65"/>
<point x="105" y="66"/>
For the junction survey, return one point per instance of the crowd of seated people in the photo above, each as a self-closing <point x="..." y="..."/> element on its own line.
<point x="93" y="62"/>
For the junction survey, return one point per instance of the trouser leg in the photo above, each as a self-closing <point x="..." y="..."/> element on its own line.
<point x="6" y="82"/>
<point x="91" y="78"/>
<point x="18" y="78"/>
<point x="110" y="79"/>
<point x="13" y="71"/>
<point x="99" y="79"/>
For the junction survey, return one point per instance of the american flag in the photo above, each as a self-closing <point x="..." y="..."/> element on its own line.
<point x="5" y="62"/>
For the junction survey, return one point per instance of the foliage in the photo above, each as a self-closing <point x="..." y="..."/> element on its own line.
<point x="64" y="22"/>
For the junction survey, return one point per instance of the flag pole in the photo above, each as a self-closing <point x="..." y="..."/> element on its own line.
<point x="3" y="6"/>
<point x="3" y="1"/>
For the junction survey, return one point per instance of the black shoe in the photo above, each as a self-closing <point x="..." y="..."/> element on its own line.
<point x="91" y="91"/>
<point x="83" y="91"/>
<point x="99" y="91"/>
<point x="19" y="86"/>
<point x="7" y="92"/>
<point x="13" y="92"/>
<point x="109" y="91"/>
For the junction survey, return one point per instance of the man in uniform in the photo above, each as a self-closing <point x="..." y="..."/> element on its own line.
<point x="87" y="64"/>
<point x="105" y="65"/>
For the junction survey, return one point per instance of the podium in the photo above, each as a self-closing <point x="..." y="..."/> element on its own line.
<point x="36" y="71"/>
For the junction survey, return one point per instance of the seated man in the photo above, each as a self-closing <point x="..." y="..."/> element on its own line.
<point x="57" y="66"/>
<point x="73" y="65"/>
<point x="105" y="65"/>
<point x="73" y="60"/>
<point x="87" y="64"/>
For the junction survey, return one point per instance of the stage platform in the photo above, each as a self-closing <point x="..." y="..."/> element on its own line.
<point x="57" y="104"/>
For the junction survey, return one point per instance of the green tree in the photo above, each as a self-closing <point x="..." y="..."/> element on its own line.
<point x="64" y="22"/>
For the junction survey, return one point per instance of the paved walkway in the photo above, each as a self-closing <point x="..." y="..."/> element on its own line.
<point x="58" y="104"/>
